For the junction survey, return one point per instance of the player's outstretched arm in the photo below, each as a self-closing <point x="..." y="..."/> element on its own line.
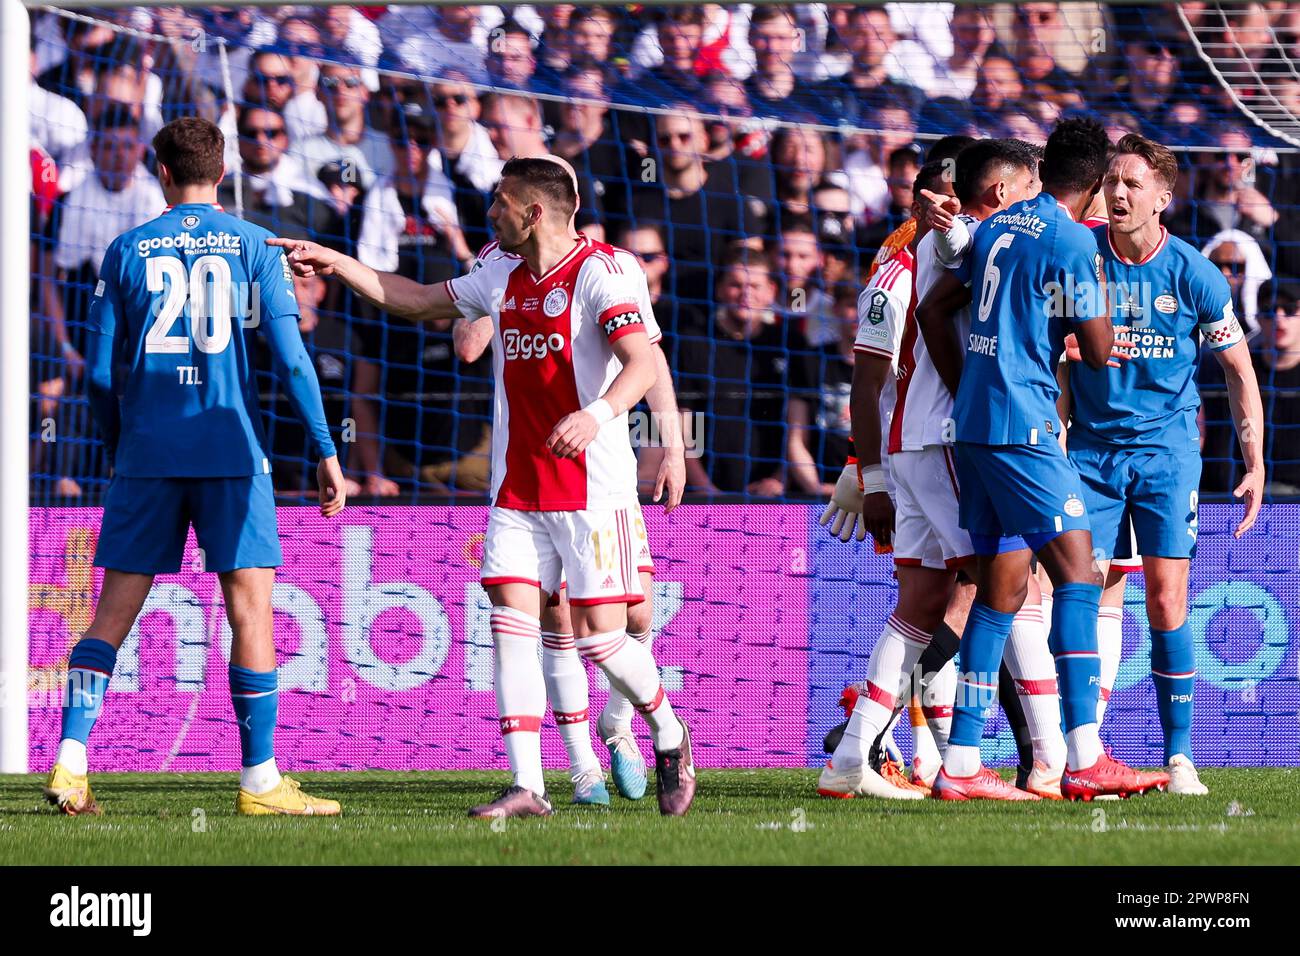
<point x="662" y="400"/>
<point x="1248" y="416"/>
<point x="471" y="337"/>
<point x="575" y="431"/>
<point x="395" y="294"/>
<point x="934" y="317"/>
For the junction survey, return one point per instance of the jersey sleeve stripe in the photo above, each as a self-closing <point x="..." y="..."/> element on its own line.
<point x="870" y="350"/>
<point x="624" y="330"/>
<point x="451" y="290"/>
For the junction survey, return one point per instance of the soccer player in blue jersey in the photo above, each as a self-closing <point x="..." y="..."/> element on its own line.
<point x="1019" y="494"/>
<point x="172" y="389"/>
<point x="1133" y="436"/>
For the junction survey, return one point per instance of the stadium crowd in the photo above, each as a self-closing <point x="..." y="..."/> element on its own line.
<point x="753" y="157"/>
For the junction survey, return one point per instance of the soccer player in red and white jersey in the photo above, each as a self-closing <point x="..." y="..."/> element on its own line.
<point x="572" y="354"/>
<point x="566" y="677"/>
<point x="990" y="175"/>
<point x="881" y="376"/>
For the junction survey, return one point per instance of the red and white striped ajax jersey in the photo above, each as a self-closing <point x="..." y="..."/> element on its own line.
<point x="552" y="356"/>
<point x="887" y="328"/>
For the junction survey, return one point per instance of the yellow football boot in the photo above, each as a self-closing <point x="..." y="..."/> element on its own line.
<point x="70" y="792"/>
<point x="287" y="798"/>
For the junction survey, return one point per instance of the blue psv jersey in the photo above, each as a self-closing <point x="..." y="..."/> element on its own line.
<point x="1033" y="273"/>
<point x="172" y="324"/>
<point x="1171" y="301"/>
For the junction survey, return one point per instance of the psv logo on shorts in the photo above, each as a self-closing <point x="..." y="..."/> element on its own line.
<point x="556" y="301"/>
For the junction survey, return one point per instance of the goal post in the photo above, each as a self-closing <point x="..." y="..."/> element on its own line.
<point x="15" y="274"/>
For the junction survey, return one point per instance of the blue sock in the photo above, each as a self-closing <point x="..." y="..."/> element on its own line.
<point x="1074" y="645"/>
<point x="256" y="698"/>
<point x="1173" y="671"/>
<point x="977" y="681"/>
<point x="89" y="667"/>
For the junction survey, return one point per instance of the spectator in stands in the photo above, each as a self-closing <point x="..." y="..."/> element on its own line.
<point x="449" y="46"/>
<point x="410" y="227"/>
<point x="697" y="204"/>
<point x="346" y="28"/>
<point x="553" y="52"/>
<point x="681" y="32"/>
<point x="798" y="167"/>
<point x="774" y="35"/>
<point x="304" y="113"/>
<point x="817" y="409"/>
<point x="245" y="29"/>
<point x="270" y="78"/>
<point x="1148" y="82"/>
<point x="1037" y="31"/>
<point x="466" y="153"/>
<point x="120" y="194"/>
<point x="514" y="123"/>
<point x="1224" y="195"/>
<point x="736" y="133"/>
<point x="56" y="123"/>
<point x="510" y="59"/>
<point x="904" y="163"/>
<point x="1243" y="263"/>
<point x="1277" y="366"/>
<point x="585" y="138"/>
<point x="803" y="297"/>
<point x="591" y="40"/>
<point x="865" y="167"/>
<point x="411" y="224"/>
<point x="972" y="38"/>
<point x="875" y="78"/>
<point x="1017" y="123"/>
<point x="999" y="84"/>
<point x="734" y="377"/>
<point x="347" y="138"/>
<point x="86" y="45"/>
<point x="276" y="193"/>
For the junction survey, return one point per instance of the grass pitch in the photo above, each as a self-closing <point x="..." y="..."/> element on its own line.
<point x="740" y="817"/>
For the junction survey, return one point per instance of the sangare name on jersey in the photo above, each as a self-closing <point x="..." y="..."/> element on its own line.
<point x="552" y="357"/>
<point x="1171" y="301"/>
<point x="175" y="300"/>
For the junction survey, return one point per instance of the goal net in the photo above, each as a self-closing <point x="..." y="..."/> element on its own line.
<point x="755" y="158"/>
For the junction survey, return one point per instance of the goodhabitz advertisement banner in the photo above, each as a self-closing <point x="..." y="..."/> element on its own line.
<point x="762" y="618"/>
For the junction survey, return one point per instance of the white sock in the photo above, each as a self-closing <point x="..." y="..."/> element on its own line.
<point x="521" y="693"/>
<point x="72" y="754"/>
<point x="566" y="686"/>
<point x="260" y="778"/>
<point x="959" y="761"/>
<point x="937" y="702"/>
<point x="1110" y="645"/>
<point x="618" y="711"/>
<point x="1048" y="603"/>
<point x="1033" y="668"/>
<point x="889" y="672"/>
<point x="1083" y="747"/>
<point x="925" y="751"/>
<point x="631" y="670"/>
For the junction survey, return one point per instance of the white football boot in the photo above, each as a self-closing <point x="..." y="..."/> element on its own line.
<point x="1183" y="778"/>
<point x="860" y="781"/>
